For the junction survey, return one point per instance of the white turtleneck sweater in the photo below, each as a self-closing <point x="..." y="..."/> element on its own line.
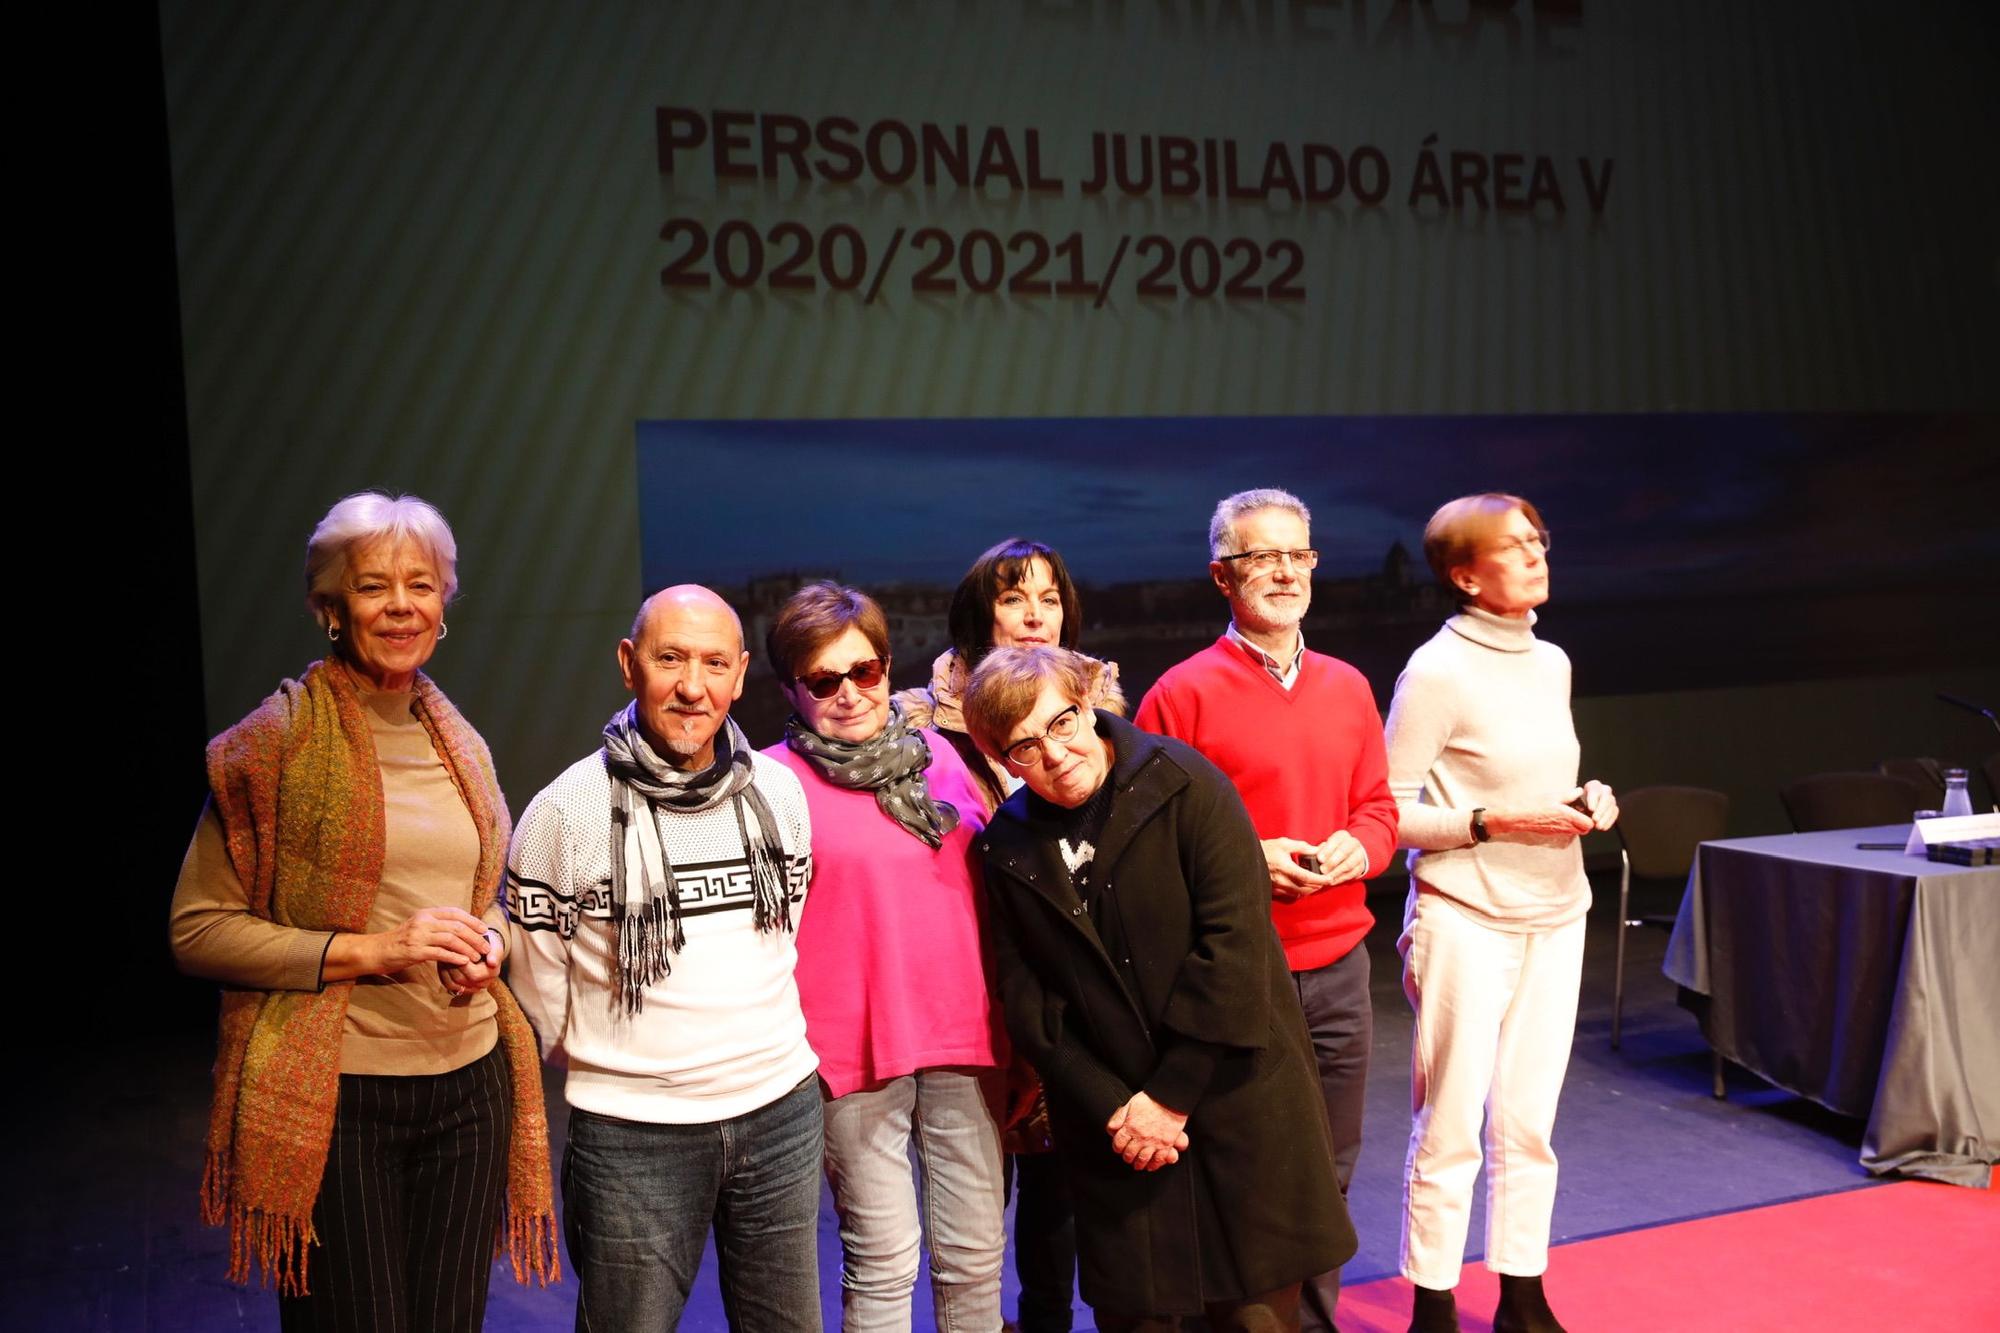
<point x="1481" y="719"/>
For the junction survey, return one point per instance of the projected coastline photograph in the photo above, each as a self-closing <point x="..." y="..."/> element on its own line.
<point x="1689" y="551"/>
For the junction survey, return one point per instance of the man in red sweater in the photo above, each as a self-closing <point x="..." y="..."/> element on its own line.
<point x="1298" y="733"/>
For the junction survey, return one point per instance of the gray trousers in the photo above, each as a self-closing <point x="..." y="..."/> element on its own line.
<point x="1341" y="1022"/>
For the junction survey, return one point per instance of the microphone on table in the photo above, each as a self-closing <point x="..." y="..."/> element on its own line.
<point x="1970" y="707"/>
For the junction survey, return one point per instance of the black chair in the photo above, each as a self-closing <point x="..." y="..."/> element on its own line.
<point x="1926" y="774"/>
<point x="1990" y="767"/>
<point x="1850" y="800"/>
<point x="1658" y="830"/>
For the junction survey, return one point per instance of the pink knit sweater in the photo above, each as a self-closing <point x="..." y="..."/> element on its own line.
<point x="895" y="967"/>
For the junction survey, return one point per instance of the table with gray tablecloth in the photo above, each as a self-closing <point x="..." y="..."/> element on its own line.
<point x="1868" y="981"/>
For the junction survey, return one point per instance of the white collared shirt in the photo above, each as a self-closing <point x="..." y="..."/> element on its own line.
<point x="1285" y="675"/>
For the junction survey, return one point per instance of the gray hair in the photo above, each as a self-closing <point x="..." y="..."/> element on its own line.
<point x="1222" y="528"/>
<point x="364" y="518"/>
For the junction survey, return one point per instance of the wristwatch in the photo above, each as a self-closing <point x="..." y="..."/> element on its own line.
<point x="1479" y="833"/>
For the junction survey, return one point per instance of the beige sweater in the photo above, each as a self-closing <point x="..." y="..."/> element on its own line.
<point x="402" y="1024"/>
<point x="1481" y="719"/>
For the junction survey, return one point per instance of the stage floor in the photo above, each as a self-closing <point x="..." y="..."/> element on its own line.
<point x="104" y="1151"/>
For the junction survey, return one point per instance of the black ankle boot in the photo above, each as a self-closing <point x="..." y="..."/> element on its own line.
<point x="1434" y="1311"/>
<point x="1524" y="1307"/>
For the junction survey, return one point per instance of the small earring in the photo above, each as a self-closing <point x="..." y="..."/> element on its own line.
<point x="332" y="632"/>
<point x="443" y="629"/>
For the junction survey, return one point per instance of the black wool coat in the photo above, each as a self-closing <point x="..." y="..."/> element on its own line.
<point x="1208" y="1023"/>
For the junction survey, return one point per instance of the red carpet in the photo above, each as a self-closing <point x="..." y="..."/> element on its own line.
<point x="1906" y="1256"/>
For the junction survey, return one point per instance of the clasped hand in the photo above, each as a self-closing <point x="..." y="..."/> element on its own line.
<point x="471" y="978"/>
<point x="466" y="953"/>
<point x="1582" y="809"/>
<point x="1336" y="861"/>
<point x="1146" y="1134"/>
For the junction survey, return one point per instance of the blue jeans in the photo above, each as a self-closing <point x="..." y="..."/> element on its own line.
<point x="638" y="1201"/>
<point x="949" y="1115"/>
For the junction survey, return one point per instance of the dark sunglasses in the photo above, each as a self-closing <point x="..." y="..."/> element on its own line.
<point x="866" y="675"/>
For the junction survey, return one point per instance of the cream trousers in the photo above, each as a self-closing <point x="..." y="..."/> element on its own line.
<point x="1494" y="1016"/>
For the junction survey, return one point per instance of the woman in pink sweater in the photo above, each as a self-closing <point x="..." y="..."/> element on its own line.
<point x="893" y="972"/>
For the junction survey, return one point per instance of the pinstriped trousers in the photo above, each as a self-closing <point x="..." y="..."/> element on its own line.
<point x="409" y="1205"/>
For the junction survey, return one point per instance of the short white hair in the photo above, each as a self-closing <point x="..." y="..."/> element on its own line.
<point x="1222" y="528"/>
<point x="364" y="518"/>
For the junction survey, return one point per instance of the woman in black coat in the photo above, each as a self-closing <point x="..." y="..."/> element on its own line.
<point x="1142" y="978"/>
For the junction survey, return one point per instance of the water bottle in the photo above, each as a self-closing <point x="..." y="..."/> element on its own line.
<point x="1957" y="800"/>
<point x="1915" y="846"/>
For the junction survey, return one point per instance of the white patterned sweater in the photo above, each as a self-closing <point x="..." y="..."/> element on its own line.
<point x="722" y="1033"/>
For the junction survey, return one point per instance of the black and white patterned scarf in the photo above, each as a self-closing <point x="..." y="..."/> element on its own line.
<point x="891" y="764"/>
<point x="647" y="905"/>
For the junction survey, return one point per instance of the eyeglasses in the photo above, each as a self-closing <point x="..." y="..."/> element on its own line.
<point x="1539" y="543"/>
<point x="1062" y="729"/>
<point x="1264" y="562"/>
<point x="866" y="675"/>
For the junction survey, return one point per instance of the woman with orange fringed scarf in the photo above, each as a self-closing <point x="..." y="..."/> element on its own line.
<point x="377" y="1124"/>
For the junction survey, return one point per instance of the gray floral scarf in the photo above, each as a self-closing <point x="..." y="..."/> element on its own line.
<point x="891" y="764"/>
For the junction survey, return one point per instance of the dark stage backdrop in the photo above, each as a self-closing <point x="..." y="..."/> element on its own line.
<point x="1714" y="282"/>
<point x="1718" y="551"/>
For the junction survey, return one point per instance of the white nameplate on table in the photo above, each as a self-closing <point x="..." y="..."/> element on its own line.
<point x="1958" y="828"/>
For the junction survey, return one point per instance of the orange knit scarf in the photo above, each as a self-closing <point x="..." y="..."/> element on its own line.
<point x="299" y="791"/>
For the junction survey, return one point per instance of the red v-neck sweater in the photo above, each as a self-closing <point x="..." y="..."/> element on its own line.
<point x="1307" y="761"/>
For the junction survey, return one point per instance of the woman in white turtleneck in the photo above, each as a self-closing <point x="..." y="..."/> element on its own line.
<point x="1483" y="761"/>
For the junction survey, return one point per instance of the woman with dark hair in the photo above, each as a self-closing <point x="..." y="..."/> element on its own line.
<point x="1018" y="595"/>
<point x="378" y="1096"/>
<point x="893" y="973"/>
<point x="1483" y="761"/>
